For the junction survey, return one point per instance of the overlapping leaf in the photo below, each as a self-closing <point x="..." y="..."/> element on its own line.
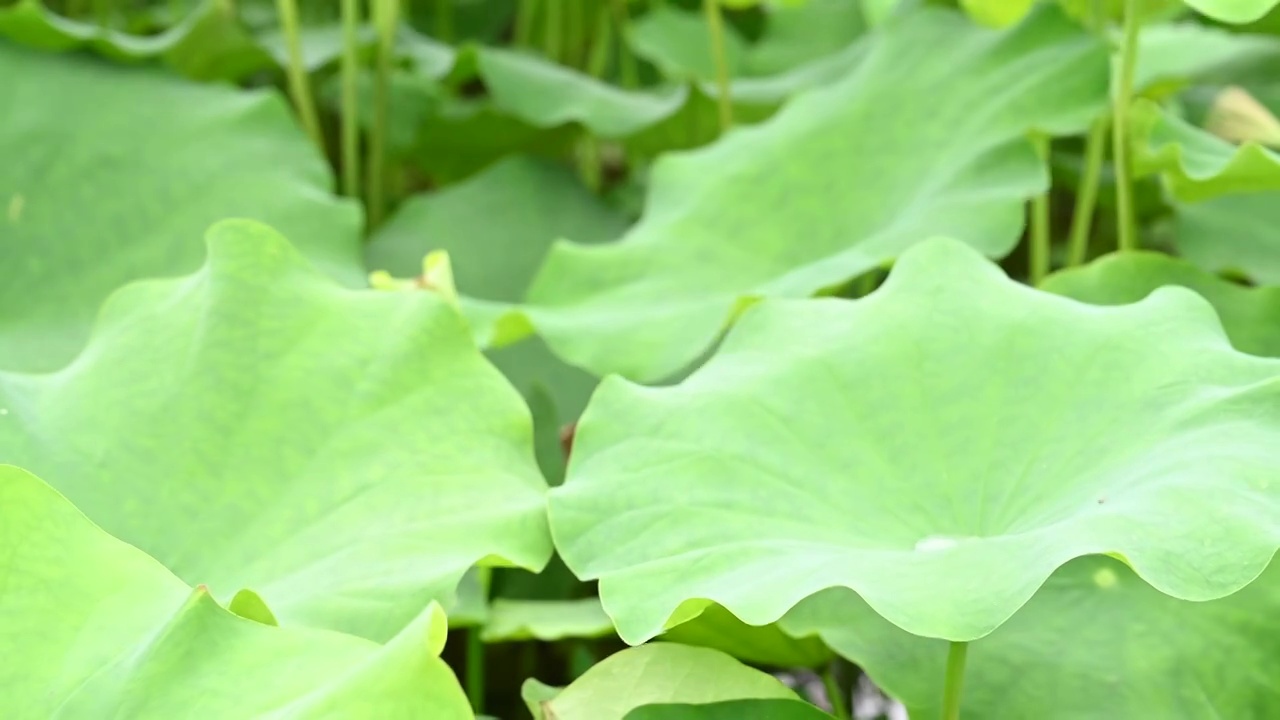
<point x="98" y="189"/>
<point x="940" y="447"/>
<point x="1234" y="233"/>
<point x="94" y="628"/>
<point x="1233" y="11"/>
<point x="732" y="710"/>
<point x="843" y="179"/>
<point x="657" y="673"/>
<point x="1250" y="316"/>
<point x="1095" y="641"/>
<point x="546" y="620"/>
<point x="717" y="628"/>
<point x="346" y="454"/>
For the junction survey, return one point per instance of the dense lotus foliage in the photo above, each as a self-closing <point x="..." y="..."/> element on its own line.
<point x="639" y="359"/>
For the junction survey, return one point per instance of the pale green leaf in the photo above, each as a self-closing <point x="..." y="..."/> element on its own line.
<point x="650" y="674"/>
<point x="997" y="13"/>
<point x="1233" y="11"/>
<point x="1094" y="642"/>
<point x="1234" y="233"/>
<point x="346" y="454"/>
<point x="940" y="447"/>
<point x="1194" y="164"/>
<point x="1251" y="316"/>
<point x="1171" y="55"/>
<point x="546" y="620"/>
<point x="717" y="628"/>
<point x="95" y="629"/>
<point x="732" y="710"/>
<point x="843" y="179"/>
<point x="98" y="189"/>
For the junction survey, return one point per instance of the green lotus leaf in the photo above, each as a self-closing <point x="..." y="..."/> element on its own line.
<point x="1233" y="11"/>
<point x="651" y="674"/>
<point x="1233" y="233"/>
<point x="718" y="628"/>
<point x="1251" y="316"/>
<point x="997" y="13"/>
<point x="546" y="94"/>
<point x="1094" y="642"/>
<point x="348" y="455"/>
<point x="1172" y="54"/>
<point x="497" y="228"/>
<point x="85" y="209"/>
<point x="1000" y="432"/>
<point x="895" y="148"/>
<point x="546" y="620"/>
<point x="208" y="44"/>
<point x="1194" y="164"/>
<point x="732" y="710"/>
<point x="799" y="33"/>
<point x="95" y="628"/>
<point x="677" y="42"/>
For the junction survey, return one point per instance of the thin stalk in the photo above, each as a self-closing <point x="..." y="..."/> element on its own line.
<point x="1095" y="146"/>
<point x="476" y="655"/>
<point x="299" y="86"/>
<point x="589" y="155"/>
<point x="574" y="32"/>
<point x="102" y="12"/>
<point x="526" y="17"/>
<point x="385" y="16"/>
<point x="598" y="61"/>
<point x="715" y="27"/>
<point x="1127" y="230"/>
<point x="554" y="37"/>
<point x="444" y="20"/>
<point x="1040" y="241"/>
<point x="835" y="696"/>
<point x="955" y="681"/>
<point x="626" y="61"/>
<point x="350" y="101"/>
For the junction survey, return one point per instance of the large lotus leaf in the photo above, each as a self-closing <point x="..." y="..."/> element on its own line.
<point x="497" y="228"/>
<point x="1251" y="316"/>
<point x="1234" y="232"/>
<point x="732" y="710"/>
<point x="678" y="43"/>
<point x="206" y="45"/>
<point x="547" y="620"/>
<point x="94" y="628"/>
<point x="797" y="34"/>
<point x="1233" y="11"/>
<point x="718" y="628"/>
<point x="939" y="447"/>
<point x="347" y="454"/>
<point x="1172" y="54"/>
<point x="651" y="674"/>
<point x="546" y="94"/>
<point x="98" y="189"/>
<point x="1094" y="642"/>
<point x="844" y="178"/>
<point x="1195" y="164"/>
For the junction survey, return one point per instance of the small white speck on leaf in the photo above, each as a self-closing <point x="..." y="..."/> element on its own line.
<point x="934" y="543"/>
<point x="16" y="203"/>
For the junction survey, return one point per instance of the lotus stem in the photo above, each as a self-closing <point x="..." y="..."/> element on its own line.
<point x="626" y="61"/>
<point x="955" y="680"/>
<point x="299" y="86"/>
<point x="1127" y="226"/>
<point x="444" y="20"/>
<point x="835" y="696"/>
<point x="1087" y="193"/>
<point x="385" y="17"/>
<point x="554" y="38"/>
<point x="1040" y="241"/>
<point x="715" y="28"/>
<point x="476" y="653"/>
<point x="350" y="109"/>
<point x="526" y="17"/>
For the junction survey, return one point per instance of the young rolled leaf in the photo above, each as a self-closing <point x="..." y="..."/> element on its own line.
<point x="1250" y="316"/>
<point x="1195" y="164"/>
<point x="87" y="208"/>
<point x="346" y="454"/>
<point x="842" y="179"/>
<point x="1096" y="641"/>
<point x="652" y="674"/>
<point x="95" y="628"/>
<point x="939" y="447"/>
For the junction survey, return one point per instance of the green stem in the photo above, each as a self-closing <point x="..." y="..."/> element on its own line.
<point x="1120" y="128"/>
<point x="554" y="38"/>
<point x="385" y="16"/>
<point x="602" y="45"/>
<point x="715" y="27"/>
<point x="955" y="681"/>
<point x="299" y="86"/>
<point x="574" y="31"/>
<point x="1095" y="146"/>
<point x="626" y="61"/>
<point x="350" y="100"/>
<point x="835" y="696"/>
<point x="526" y="19"/>
<point x="476" y="654"/>
<point x="444" y="20"/>
<point x="1040" y="241"/>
